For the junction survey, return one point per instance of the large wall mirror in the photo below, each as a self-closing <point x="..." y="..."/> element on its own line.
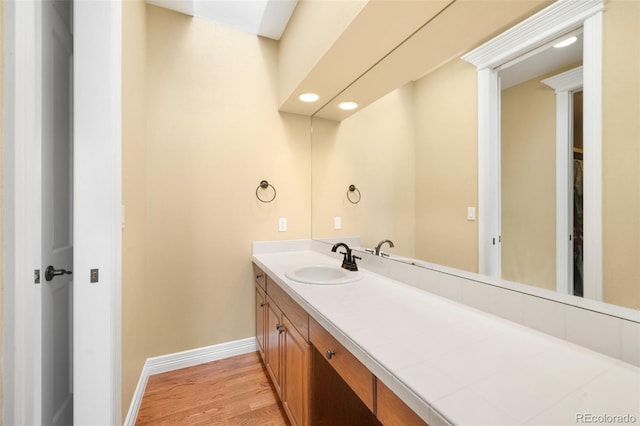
<point x="415" y="159"/>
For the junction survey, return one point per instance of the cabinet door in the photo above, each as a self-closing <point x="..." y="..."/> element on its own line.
<point x="296" y="375"/>
<point x="274" y="345"/>
<point x="261" y="315"/>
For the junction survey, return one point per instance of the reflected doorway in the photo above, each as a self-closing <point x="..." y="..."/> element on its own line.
<point x="578" y="190"/>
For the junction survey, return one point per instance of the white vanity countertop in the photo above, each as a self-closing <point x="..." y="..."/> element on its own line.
<point x="454" y="364"/>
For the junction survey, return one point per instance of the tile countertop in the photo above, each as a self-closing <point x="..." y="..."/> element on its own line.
<point x="453" y="364"/>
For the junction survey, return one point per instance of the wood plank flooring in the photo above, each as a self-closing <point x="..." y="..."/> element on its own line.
<point x="232" y="391"/>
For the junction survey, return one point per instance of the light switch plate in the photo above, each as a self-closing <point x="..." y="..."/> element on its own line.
<point x="471" y="213"/>
<point x="282" y="224"/>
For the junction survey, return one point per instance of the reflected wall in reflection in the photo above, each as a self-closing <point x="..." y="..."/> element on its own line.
<point x="374" y="150"/>
<point x="413" y="155"/>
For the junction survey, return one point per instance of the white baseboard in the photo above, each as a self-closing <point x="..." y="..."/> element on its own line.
<point x="175" y="361"/>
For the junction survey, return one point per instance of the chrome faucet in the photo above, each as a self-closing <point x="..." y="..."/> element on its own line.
<point x="349" y="260"/>
<point x="377" y="252"/>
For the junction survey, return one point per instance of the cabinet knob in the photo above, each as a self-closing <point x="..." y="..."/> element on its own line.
<point x="259" y="276"/>
<point x="281" y="329"/>
<point x="262" y="304"/>
<point x="330" y="354"/>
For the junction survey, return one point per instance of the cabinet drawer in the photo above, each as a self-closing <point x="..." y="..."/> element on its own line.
<point x="352" y="371"/>
<point x="294" y="312"/>
<point x="260" y="277"/>
<point x="392" y="411"/>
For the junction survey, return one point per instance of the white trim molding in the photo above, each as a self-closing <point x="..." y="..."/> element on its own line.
<point x="97" y="211"/>
<point x="561" y="17"/>
<point x="543" y="27"/>
<point x="564" y="85"/>
<point x="178" y="360"/>
<point x="21" y="210"/>
<point x="592" y="158"/>
<point x="488" y="173"/>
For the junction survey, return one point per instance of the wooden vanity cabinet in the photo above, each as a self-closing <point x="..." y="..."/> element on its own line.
<point x="285" y="334"/>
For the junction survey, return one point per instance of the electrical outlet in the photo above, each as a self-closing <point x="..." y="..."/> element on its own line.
<point x="337" y="222"/>
<point x="282" y="224"/>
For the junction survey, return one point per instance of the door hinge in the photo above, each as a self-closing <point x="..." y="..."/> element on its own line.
<point x="36" y="276"/>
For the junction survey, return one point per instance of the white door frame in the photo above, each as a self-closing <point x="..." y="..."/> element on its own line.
<point x="564" y="85"/>
<point x="21" y="214"/>
<point x="559" y="18"/>
<point x="97" y="212"/>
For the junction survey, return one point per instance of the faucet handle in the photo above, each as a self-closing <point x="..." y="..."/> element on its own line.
<point x="354" y="257"/>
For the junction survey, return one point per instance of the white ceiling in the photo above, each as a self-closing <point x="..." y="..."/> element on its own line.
<point x="267" y="18"/>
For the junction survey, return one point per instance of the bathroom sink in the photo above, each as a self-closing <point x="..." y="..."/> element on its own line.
<point x="323" y="275"/>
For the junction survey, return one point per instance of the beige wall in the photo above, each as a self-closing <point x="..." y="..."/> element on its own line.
<point x="373" y="150"/>
<point x="446" y="166"/>
<point x="621" y="153"/>
<point x="207" y="96"/>
<point x="134" y="286"/>
<point x="528" y="199"/>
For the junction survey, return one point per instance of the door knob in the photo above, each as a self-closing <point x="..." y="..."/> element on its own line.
<point x="51" y="272"/>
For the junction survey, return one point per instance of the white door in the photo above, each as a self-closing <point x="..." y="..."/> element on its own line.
<point x="57" y="208"/>
<point x="96" y="213"/>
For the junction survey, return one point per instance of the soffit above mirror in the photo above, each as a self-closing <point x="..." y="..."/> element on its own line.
<point x="375" y="29"/>
<point x="447" y="33"/>
<point x="267" y="18"/>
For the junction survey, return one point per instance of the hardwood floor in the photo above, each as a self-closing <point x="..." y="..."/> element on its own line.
<point x="232" y="391"/>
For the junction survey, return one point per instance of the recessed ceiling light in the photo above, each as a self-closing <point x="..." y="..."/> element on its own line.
<point x="308" y="97"/>
<point x="348" y="105"/>
<point x="567" y="42"/>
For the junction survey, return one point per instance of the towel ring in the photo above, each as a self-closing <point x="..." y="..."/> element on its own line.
<point x="264" y="185"/>
<point x="352" y="188"/>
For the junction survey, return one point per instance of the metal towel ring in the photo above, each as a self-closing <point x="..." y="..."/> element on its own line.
<point x="264" y="185"/>
<point x="352" y="188"/>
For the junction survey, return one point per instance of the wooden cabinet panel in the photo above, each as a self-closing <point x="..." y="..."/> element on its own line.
<point x="274" y="345"/>
<point x="352" y="371"/>
<point x="392" y="411"/>
<point x="298" y="316"/>
<point x="296" y="369"/>
<point x="261" y="316"/>
<point x="333" y="402"/>
<point x="260" y="277"/>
